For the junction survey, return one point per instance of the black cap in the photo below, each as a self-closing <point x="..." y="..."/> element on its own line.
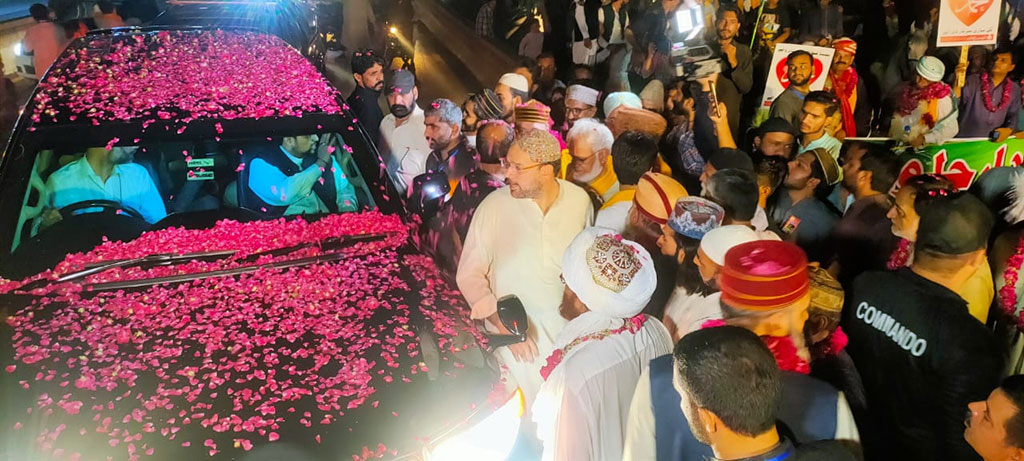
<point x="402" y="81"/>
<point x="776" y="125"/>
<point x="731" y="158"/>
<point x="952" y="223"/>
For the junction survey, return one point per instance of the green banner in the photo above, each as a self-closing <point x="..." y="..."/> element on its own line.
<point x="962" y="162"/>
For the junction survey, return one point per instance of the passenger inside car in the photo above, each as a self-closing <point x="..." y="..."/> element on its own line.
<point x="104" y="174"/>
<point x="299" y="176"/>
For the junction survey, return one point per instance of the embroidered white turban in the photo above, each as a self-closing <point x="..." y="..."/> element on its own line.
<point x="611" y="276"/>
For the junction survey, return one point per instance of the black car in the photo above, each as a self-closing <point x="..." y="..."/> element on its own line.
<point x="295" y="21"/>
<point x="158" y="303"/>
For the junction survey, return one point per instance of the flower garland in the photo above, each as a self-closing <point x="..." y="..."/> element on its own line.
<point x="899" y="257"/>
<point x="912" y="96"/>
<point x="832" y="346"/>
<point x="1008" y="293"/>
<point x="632" y="324"/>
<point x="781" y="347"/>
<point x="986" y="93"/>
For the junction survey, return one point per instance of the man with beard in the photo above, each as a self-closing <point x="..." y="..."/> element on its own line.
<point x="590" y="145"/>
<point x="477" y="109"/>
<point x="656" y="196"/>
<point x="580" y="103"/>
<point x="368" y="72"/>
<point x="691" y="219"/>
<point x="764" y="289"/>
<point x="450" y="152"/>
<point x="514" y="247"/>
<point x="293" y="179"/>
<point x="849" y="89"/>
<point x="402" y="143"/>
<point x="775" y="138"/>
<point x="802" y="210"/>
<point x="736" y="79"/>
<point x="731" y="396"/>
<point x="512" y="90"/>
<point x="589" y="381"/>
<point x="104" y="174"/>
<point x="863" y="238"/>
<point x="799" y="69"/>
<point x="925" y="113"/>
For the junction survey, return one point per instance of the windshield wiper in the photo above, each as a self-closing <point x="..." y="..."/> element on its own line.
<point x="167" y="259"/>
<point x="339" y="243"/>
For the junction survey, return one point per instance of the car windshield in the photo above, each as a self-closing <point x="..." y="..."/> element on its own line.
<point x="122" y="189"/>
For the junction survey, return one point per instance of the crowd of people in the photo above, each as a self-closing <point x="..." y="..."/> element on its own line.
<point x="704" y="282"/>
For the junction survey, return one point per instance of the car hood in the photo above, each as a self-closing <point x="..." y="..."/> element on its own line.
<point x="370" y="354"/>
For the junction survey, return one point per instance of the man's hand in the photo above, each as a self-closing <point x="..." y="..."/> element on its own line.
<point x="722" y="117"/>
<point x="706" y="82"/>
<point x="587" y="43"/>
<point x="917" y="142"/>
<point x="50" y="216"/>
<point x="730" y="53"/>
<point x="688" y="105"/>
<point x="323" y="153"/>
<point x="525" y="351"/>
<point x="1003" y="133"/>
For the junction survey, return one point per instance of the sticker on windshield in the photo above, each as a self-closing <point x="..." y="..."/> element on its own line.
<point x="200" y="163"/>
<point x="200" y="175"/>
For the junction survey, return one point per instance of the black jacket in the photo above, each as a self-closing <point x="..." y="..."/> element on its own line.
<point x="922" y="358"/>
<point x="363" y="102"/>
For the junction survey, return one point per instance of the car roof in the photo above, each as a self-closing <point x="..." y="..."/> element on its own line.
<point x="180" y="77"/>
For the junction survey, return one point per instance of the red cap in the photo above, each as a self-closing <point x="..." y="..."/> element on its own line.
<point x="764" y="275"/>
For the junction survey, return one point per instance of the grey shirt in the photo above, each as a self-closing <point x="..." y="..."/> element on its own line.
<point x="788" y="105"/>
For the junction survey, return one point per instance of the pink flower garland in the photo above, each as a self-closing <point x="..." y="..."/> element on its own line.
<point x="1008" y="293"/>
<point x="272" y="329"/>
<point x="986" y="93"/>
<point x="899" y="257"/>
<point x="632" y="325"/>
<point x="782" y="348"/>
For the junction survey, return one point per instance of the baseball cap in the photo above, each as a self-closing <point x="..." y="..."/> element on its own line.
<point x="402" y="81"/>
<point x="952" y="223"/>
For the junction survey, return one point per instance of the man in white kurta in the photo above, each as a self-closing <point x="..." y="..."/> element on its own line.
<point x="589" y="379"/>
<point x="514" y="246"/>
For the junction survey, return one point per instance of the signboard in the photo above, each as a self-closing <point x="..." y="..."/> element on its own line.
<point x="968" y="22"/>
<point x="778" y="77"/>
<point x="962" y="162"/>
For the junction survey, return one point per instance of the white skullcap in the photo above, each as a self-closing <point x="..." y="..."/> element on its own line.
<point x="621" y="98"/>
<point x="514" y="81"/>
<point x="611" y="276"/>
<point x="584" y="94"/>
<point x="717" y="242"/>
<point x="931" y="68"/>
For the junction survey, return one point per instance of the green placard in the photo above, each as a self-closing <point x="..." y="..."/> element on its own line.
<point x="962" y="162"/>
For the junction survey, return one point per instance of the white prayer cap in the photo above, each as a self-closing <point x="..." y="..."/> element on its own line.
<point x="717" y="242"/>
<point x="514" y="81"/>
<point x="611" y="276"/>
<point x="583" y="94"/>
<point x="621" y="98"/>
<point x="931" y="68"/>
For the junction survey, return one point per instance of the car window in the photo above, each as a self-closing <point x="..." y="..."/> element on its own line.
<point x="269" y="177"/>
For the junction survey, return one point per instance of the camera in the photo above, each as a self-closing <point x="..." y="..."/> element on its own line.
<point x="691" y="57"/>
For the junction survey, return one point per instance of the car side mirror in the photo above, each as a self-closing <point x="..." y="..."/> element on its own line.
<point x="513" y="316"/>
<point x="428" y="194"/>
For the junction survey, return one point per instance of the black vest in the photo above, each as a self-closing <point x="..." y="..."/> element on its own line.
<point x="609" y="21"/>
<point x="326" y="190"/>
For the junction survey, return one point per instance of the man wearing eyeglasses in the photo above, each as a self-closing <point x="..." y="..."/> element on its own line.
<point x="580" y="103"/>
<point x="514" y="246"/>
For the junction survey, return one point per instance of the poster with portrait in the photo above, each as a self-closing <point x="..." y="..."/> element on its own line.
<point x="968" y="22"/>
<point x="778" y="78"/>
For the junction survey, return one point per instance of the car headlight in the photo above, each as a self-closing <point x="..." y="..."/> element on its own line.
<point x="490" y="439"/>
<point x="17" y="49"/>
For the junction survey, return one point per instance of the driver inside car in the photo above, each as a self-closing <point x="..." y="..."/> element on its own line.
<point x="300" y="176"/>
<point x="104" y="174"/>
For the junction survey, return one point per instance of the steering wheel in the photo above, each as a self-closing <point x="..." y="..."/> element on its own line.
<point x="108" y="206"/>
